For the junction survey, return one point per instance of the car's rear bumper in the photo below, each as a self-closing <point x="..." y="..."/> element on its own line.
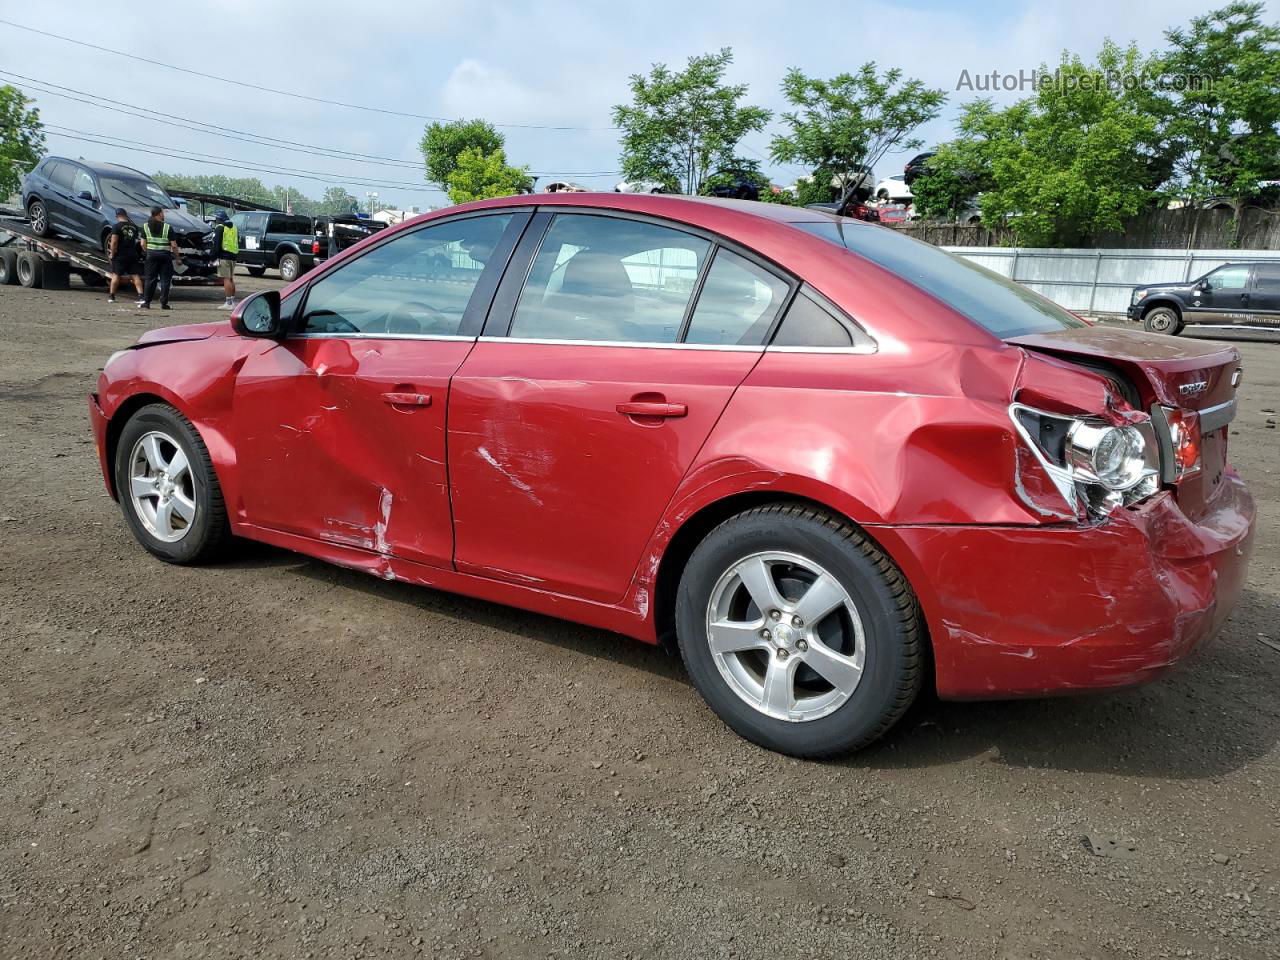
<point x="1023" y="611"/>
<point x="98" y="421"/>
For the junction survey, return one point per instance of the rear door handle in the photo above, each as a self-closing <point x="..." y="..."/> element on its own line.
<point x="652" y="408"/>
<point x="408" y="399"/>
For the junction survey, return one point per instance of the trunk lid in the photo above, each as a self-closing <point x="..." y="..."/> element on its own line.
<point x="1188" y="375"/>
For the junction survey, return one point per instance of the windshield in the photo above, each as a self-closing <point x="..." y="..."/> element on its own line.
<point x="999" y="305"/>
<point x="122" y="191"/>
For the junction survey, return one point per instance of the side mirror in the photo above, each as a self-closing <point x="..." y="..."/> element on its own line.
<point x="259" y="316"/>
<point x="1201" y="286"/>
<point x="86" y="195"/>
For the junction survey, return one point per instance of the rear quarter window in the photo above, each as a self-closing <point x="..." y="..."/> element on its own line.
<point x="1000" y="306"/>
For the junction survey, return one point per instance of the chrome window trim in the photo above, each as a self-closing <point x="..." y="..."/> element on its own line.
<point x="376" y="336"/>
<point x="547" y="341"/>
<point x="863" y="351"/>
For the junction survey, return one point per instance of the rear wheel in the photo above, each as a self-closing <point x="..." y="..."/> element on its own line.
<point x="257" y="271"/>
<point x="799" y="632"/>
<point x="1162" y="320"/>
<point x="167" y="488"/>
<point x="30" y="269"/>
<point x="91" y="279"/>
<point x="8" y="267"/>
<point x="290" y="267"/>
<point x="38" y="214"/>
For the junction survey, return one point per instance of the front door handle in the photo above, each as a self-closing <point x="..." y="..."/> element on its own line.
<point x="408" y="399"/>
<point x="652" y="408"/>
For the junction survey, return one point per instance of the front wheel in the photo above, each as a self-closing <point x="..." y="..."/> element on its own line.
<point x="167" y="488"/>
<point x="1162" y="320"/>
<point x="799" y="632"/>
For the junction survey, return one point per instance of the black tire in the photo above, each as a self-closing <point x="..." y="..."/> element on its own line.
<point x="8" y="267"/>
<point x="30" y="269"/>
<point x="290" y="267"/>
<point x="1162" y="320"/>
<point x="209" y="532"/>
<point x="892" y="629"/>
<point x="91" y="279"/>
<point x="257" y="271"/>
<point x="38" y="214"/>
<point x="106" y="242"/>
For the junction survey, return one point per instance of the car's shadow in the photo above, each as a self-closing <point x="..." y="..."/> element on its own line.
<point x="1206" y="719"/>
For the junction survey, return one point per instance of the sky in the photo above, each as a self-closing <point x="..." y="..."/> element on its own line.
<point x="527" y="67"/>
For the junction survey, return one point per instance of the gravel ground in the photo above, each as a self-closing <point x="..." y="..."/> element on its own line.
<point x="277" y="758"/>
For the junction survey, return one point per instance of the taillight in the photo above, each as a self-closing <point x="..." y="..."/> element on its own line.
<point x="1184" y="434"/>
<point x="315" y="247"/>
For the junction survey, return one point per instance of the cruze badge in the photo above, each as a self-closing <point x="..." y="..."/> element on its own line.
<point x="1195" y="386"/>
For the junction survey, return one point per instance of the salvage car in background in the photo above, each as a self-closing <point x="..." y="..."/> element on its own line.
<point x="79" y="198"/>
<point x="825" y="460"/>
<point x="1233" y="295"/>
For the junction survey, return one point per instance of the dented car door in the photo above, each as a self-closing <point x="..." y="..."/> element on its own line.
<point x="341" y="426"/>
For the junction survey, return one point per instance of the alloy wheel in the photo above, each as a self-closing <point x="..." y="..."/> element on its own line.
<point x="162" y="487"/>
<point x="785" y="636"/>
<point x="38" y="218"/>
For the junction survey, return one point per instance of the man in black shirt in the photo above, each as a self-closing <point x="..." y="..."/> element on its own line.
<point x="125" y="250"/>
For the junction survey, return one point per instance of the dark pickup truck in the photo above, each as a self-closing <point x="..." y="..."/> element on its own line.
<point x="1233" y="295"/>
<point x="279" y="241"/>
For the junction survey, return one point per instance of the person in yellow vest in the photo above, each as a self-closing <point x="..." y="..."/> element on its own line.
<point x="162" y="251"/>
<point x="226" y="244"/>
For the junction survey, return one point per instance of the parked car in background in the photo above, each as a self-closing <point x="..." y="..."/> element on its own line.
<point x="736" y="184"/>
<point x="894" y="189"/>
<point x="916" y="167"/>
<point x="824" y="460"/>
<point x="276" y="241"/>
<point x="639" y="186"/>
<point x="893" y="213"/>
<point x="79" y="198"/>
<point x="564" y="186"/>
<point x="1235" y="294"/>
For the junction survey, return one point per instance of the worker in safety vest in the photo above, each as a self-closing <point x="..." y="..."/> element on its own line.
<point x="226" y="244"/>
<point x="162" y="251"/>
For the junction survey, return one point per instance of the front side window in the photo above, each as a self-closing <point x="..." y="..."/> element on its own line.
<point x="737" y="304"/>
<point x="82" y="183"/>
<point x="1228" y="278"/>
<point x="609" y="279"/>
<point x="1002" y="307"/>
<point x="419" y="283"/>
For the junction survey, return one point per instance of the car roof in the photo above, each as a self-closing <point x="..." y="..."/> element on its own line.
<point x="97" y="166"/>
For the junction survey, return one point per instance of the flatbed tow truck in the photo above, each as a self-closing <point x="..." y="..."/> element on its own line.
<point x="49" y="262"/>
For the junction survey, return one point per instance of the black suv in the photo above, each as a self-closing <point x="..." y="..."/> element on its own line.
<point x="1234" y="295"/>
<point x="78" y="199"/>
<point x="281" y="241"/>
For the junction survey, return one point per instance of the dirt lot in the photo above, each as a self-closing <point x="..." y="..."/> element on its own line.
<point x="276" y="758"/>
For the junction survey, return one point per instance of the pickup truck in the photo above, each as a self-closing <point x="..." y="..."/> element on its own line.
<point x="275" y="241"/>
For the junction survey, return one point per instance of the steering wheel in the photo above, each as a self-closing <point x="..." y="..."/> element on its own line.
<point x="402" y="319"/>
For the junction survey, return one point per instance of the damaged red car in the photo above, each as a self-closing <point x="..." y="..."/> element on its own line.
<point x="826" y="462"/>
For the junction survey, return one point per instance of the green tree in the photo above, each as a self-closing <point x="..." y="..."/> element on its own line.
<point x="244" y="188"/>
<point x="21" y="138"/>
<point x="478" y="176"/>
<point x="959" y="170"/>
<point x="337" y="200"/>
<point x="853" y="119"/>
<point x="444" y="143"/>
<point x="1224" y="108"/>
<point x="1072" y="161"/>
<point x="682" y="123"/>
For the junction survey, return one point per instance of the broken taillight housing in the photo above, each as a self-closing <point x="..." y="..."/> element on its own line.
<point x="1094" y="465"/>
<point x="1184" y="436"/>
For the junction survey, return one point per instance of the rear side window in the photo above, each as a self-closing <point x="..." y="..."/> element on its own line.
<point x="810" y="324"/>
<point x="609" y="279"/>
<point x="1002" y="307"/>
<point x="1268" y="278"/>
<point x="61" y="174"/>
<point x="288" y="224"/>
<point x="737" y="304"/>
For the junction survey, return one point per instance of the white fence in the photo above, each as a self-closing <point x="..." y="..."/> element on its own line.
<point x="1100" y="281"/>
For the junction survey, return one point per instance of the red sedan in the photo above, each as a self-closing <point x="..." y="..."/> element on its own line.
<point x="822" y="459"/>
